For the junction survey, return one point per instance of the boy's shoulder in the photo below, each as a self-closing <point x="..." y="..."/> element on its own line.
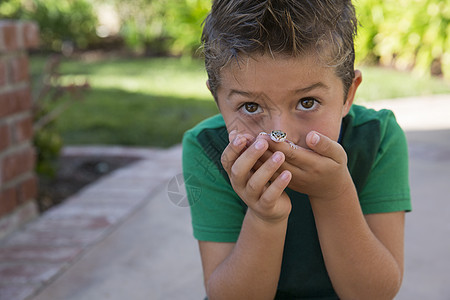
<point x="371" y="124"/>
<point x="361" y="115"/>
<point x="366" y="134"/>
<point x="207" y="139"/>
<point x="215" y="122"/>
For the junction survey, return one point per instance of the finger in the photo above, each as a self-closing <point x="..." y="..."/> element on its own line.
<point x="297" y="155"/>
<point x="260" y="178"/>
<point x="264" y="157"/>
<point x="275" y="189"/>
<point x="324" y="146"/>
<point x="233" y="151"/>
<point x="293" y="166"/>
<point x="234" y="133"/>
<point x="245" y="162"/>
<point x="259" y="163"/>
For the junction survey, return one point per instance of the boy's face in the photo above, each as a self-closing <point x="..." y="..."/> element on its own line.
<point x="295" y="95"/>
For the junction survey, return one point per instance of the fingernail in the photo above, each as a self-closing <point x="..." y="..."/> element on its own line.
<point x="285" y="175"/>
<point x="259" y="145"/>
<point x="315" y="139"/>
<point x="277" y="157"/>
<point x="237" y="141"/>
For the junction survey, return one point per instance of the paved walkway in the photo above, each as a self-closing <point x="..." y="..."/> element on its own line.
<point x="119" y="238"/>
<point x="124" y="238"/>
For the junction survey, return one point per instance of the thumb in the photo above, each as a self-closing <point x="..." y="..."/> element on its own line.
<point x="325" y="146"/>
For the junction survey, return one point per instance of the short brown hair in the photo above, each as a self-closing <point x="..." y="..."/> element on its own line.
<point x="288" y="27"/>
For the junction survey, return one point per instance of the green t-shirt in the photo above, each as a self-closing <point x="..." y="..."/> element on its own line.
<point x="377" y="160"/>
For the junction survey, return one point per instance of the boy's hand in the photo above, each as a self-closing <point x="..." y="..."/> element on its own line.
<point x="320" y="172"/>
<point x="267" y="200"/>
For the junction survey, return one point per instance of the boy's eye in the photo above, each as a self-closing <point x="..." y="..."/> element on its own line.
<point x="251" y="108"/>
<point x="307" y="104"/>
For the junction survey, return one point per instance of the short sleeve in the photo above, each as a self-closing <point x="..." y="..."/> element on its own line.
<point x="387" y="188"/>
<point x="216" y="210"/>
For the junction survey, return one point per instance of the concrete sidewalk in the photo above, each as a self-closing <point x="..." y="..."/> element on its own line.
<point x="124" y="238"/>
<point x="426" y="121"/>
<point x="151" y="255"/>
<point x="119" y="238"/>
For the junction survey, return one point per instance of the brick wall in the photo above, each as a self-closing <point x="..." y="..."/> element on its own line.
<point x="17" y="156"/>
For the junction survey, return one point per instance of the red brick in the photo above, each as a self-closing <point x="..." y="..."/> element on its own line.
<point x="27" y="190"/>
<point x="9" y="42"/>
<point x="18" y="291"/>
<point x="18" y="68"/>
<point x="22" y="130"/>
<point x="5" y="104"/>
<point x="39" y="254"/>
<point x="15" y="101"/>
<point x="18" y="163"/>
<point x="4" y="137"/>
<point x="56" y="238"/>
<point x="9" y="103"/>
<point x="22" y="99"/>
<point x="28" y="273"/>
<point x="30" y="35"/>
<point x="3" y="74"/>
<point x="8" y="201"/>
<point x="72" y="224"/>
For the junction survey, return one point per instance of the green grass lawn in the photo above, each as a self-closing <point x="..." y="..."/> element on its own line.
<point x="383" y="83"/>
<point x="134" y="102"/>
<point x="152" y="102"/>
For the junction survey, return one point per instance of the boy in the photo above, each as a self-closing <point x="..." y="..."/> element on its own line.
<point x="320" y="215"/>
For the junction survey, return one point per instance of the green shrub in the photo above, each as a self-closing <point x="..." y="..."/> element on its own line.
<point x="51" y="97"/>
<point x="60" y="21"/>
<point x="162" y="26"/>
<point x="407" y="34"/>
<point x="11" y="9"/>
<point x="184" y="24"/>
<point x="142" y="24"/>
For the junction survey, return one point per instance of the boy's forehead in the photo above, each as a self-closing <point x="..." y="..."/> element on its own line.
<point x="244" y="62"/>
<point x="283" y="71"/>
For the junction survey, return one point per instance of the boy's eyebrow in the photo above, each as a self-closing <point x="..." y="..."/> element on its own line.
<point x="317" y="85"/>
<point x="241" y="93"/>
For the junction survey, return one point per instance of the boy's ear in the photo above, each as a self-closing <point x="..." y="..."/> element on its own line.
<point x="351" y="92"/>
<point x="207" y="84"/>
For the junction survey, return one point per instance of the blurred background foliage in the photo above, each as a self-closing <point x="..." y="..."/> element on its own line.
<point x="405" y="34"/>
<point x="163" y="26"/>
<point x="145" y="26"/>
<point x="63" y="23"/>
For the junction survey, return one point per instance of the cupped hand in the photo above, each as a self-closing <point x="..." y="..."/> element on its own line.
<point x="320" y="172"/>
<point x="260" y="188"/>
